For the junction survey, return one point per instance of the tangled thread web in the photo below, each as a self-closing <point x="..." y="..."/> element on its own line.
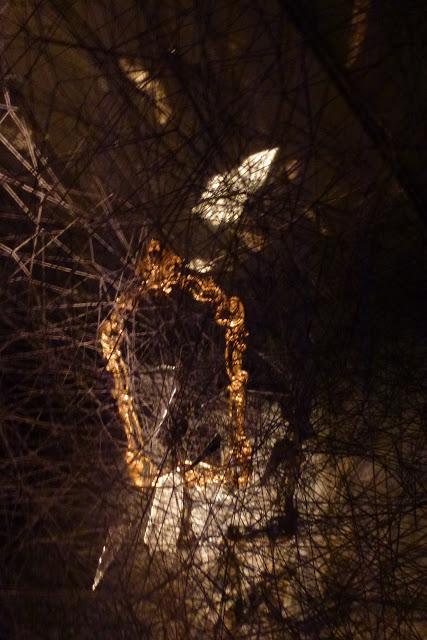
<point x="232" y="135"/>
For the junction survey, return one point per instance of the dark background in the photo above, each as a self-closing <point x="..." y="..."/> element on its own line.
<point x="335" y="301"/>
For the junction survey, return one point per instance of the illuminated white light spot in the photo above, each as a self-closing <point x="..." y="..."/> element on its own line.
<point x="97" y="580"/>
<point x="225" y="195"/>
<point x="202" y="266"/>
<point x="166" y="409"/>
<point x="99" y="572"/>
<point x="167" y="507"/>
<point x="152" y="87"/>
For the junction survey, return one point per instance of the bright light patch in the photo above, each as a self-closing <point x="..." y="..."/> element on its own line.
<point x="200" y="265"/>
<point x="167" y="507"/>
<point x="152" y="87"/>
<point x="225" y="195"/>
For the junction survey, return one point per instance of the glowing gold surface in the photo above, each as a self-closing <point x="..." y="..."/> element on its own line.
<point x="161" y="270"/>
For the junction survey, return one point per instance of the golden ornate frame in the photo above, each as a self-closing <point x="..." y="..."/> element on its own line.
<point x="162" y="271"/>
